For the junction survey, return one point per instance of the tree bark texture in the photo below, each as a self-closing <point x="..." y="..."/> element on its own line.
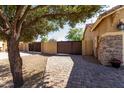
<point x="15" y="62"/>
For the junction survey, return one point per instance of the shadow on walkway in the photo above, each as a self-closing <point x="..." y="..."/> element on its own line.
<point x="88" y="73"/>
<point x="5" y="76"/>
<point x="34" y="81"/>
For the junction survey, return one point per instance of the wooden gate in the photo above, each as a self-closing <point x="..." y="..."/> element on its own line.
<point x="35" y="46"/>
<point x="69" y="47"/>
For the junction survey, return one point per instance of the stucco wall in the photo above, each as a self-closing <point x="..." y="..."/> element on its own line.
<point x="49" y="47"/>
<point x="110" y="46"/>
<point x="108" y="24"/>
<point x="88" y="35"/>
<point x="42" y="47"/>
<point x="23" y="46"/>
<point x="3" y="46"/>
<point x="87" y="47"/>
<point x="87" y="42"/>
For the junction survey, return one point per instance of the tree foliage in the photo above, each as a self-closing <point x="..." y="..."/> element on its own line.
<point x="52" y="40"/>
<point x="74" y="34"/>
<point x="40" y="20"/>
<point x="25" y="23"/>
<point x="44" y="38"/>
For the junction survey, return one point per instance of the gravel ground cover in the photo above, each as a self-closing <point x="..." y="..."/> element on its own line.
<point x="33" y="70"/>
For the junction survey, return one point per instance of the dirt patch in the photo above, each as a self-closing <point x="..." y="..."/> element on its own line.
<point x="33" y="70"/>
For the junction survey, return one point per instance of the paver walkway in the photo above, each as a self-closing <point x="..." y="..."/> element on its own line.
<point x="77" y="71"/>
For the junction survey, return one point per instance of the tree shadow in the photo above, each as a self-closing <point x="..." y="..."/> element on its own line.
<point x="32" y="76"/>
<point x="4" y="71"/>
<point x="87" y="72"/>
<point x="34" y="81"/>
<point x="37" y="81"/>
<point x="50" y="84"/>
<point x="5" y="77"/>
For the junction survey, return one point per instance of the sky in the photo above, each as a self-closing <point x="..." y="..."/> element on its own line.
<point x="61" y="33"/>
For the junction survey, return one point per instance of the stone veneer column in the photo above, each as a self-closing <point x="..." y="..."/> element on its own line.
<point x="111" y="46"/>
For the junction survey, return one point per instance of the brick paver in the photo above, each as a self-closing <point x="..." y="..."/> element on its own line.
<point x="80" y="72"/>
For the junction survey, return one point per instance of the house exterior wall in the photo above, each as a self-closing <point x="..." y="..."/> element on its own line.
<point x="108" y="24"/>
<point x="87" y="47"/>
<point x="87" y="42"/>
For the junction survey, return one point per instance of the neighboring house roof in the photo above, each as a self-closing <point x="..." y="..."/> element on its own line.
<point x="106" y="14"/>
<point x="88" y="26"/>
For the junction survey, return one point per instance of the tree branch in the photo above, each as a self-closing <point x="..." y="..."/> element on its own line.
<point x="19" y="11"/>
<point x="4" y="31"/>
<point x="37" y="7"/>
<point x="20" y="22"/>
<point x="6" y="22"/>
<point x="25" y="14"/>
<point x="49" y="15"/>
<point x="1" y="29"/>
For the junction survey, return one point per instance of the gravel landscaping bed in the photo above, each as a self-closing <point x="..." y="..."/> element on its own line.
<point x="33" y="70"/>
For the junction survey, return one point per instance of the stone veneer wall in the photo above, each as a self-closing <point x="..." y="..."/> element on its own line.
<point x="110" y="46"/>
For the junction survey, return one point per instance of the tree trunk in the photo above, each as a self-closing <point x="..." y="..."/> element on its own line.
<point x="15" y="62"/>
